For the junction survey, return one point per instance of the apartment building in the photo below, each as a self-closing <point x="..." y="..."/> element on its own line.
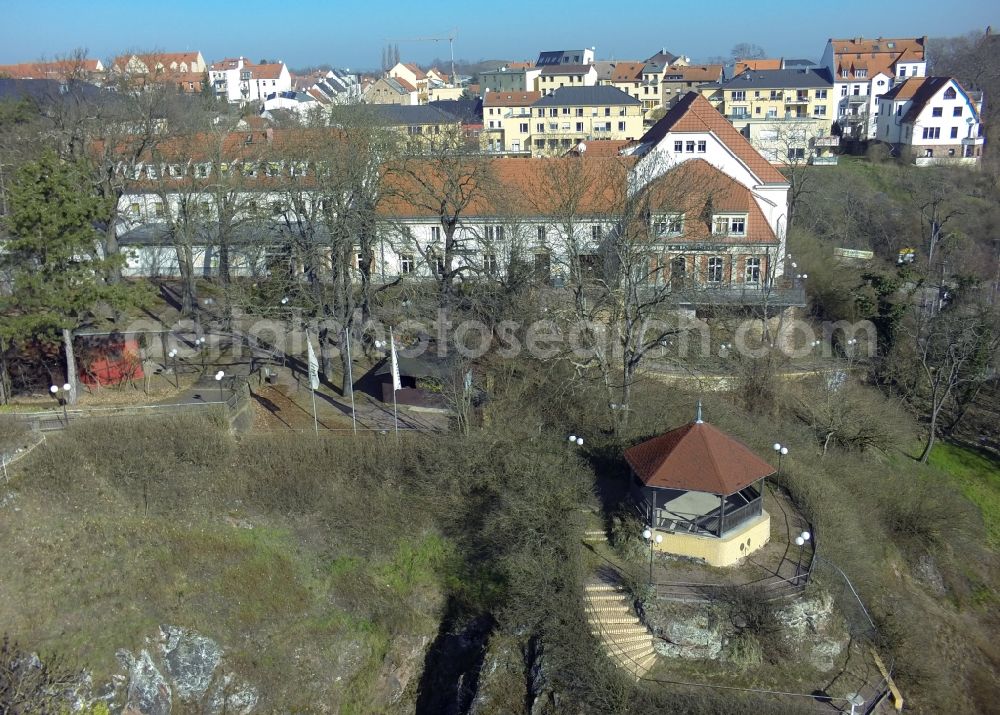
<point x="507" y="122"/>
<point x="238" y="80"/>
<point x="933" y="119"/>
<point x="865" y="69"/>
<point x="787" y="114"/>
<point x="569" y="115"/>
<point x="511" y="77"/>
<point x="677" y="80"/>
<point x="553" y="77"/>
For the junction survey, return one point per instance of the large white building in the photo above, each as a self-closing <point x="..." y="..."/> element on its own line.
<point x="933" y="118"/>
<point x="713" y="210"/>
<point x="865" y="69"/>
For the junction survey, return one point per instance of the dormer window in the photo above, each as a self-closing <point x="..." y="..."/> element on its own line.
<point x="668" y="224"/>
<point x="845" y="73"/>
<point x="860" y="74"/>
<point x="729" y="225"/>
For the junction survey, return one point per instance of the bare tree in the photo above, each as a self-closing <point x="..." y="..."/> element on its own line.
<point x="438" y="179"/>
<point x="943" y="352"/>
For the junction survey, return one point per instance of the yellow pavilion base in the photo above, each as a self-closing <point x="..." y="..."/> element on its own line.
<point x="726" y="551"/>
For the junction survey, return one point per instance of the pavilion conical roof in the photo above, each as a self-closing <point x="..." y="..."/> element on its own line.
<point x="697" y="457"/>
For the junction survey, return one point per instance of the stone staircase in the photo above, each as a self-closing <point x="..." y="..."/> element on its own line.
<point x="612" y="619"/>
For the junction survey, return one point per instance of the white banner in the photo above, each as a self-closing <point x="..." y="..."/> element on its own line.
<point x="397" y="384"/>
<point x="313" y="366"/>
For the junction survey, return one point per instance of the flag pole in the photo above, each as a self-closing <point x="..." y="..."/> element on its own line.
<point x="395" y="414"/>
<point x="350" y="380"/>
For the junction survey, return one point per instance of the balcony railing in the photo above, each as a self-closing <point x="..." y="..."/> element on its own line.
<point x="970" y="141"/>
<point x="823" y="161"/>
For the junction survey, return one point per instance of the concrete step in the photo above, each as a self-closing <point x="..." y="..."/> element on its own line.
<point x="603" y="588"/>
<point x="619" y="630"/>
<point x="645" y="636"/>
<point x="632" y="648"/>
<point x="608" y="606"/>
<point x="607" y="596"/>
<point x="617" y="618"/>
<point x="626" y="639"/>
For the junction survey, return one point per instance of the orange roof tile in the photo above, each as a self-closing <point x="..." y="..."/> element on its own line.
<point x="48" y="70"/>
<point x="688" y="189"/>
<point x="627" y="71"/>
<point x="694" y="113"/>
<point x="510" y="99"/>
<point x="754" y="65"/>
<point x="268" y="71"/>
<point x="697" y="457"/>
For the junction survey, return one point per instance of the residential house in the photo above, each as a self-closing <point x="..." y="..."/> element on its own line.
<point x="677" y="80"/>
<point x="668" y="59"/>
<point x="81" y="69"/>
<point x="787" y="114"/>
<point x="747" y="240"/>
<point x="507" y="120"/>
<point x="932" y="119"/>
<point x="185" y="71"/>
<point x="511" y="77"/>
<point x="570" y="115"/>
<point x="239" y="81"/>
<point x="418" y="122"/>
<point x="392" y="90"/>
<point x="629" y="78"/>
<point x="565" y="57"/>
<point x="553" y="77"/>
<point x="865" y="69"/>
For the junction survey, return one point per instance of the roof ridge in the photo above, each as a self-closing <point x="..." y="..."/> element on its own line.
<point x="711" y="453"/>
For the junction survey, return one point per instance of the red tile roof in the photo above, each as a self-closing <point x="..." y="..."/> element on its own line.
<point x="694" y="113"/>
<point x="269" y="71"/>
<point x="697" y="457"/>
<point x="754" y="65"/>
<point x="689" y="187"/>
<point x="694" y="73"/>
<point x="627" y="71"/>
<point x="58" y="69"/>
<point x="878" y="56"/>
<point x="510" y="99"/>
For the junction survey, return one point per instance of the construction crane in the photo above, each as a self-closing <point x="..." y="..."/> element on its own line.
<point x="451" y="47"/>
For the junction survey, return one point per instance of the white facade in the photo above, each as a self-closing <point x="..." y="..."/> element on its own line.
<point x="239" y="81"/>
<point x="858" y="90"/>
<point x="946" y="125"/>
<point x="772" y="199"/>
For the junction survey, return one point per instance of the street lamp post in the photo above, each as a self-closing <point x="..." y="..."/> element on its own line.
<point x="199" y="344"/>
<point x="801" y="540"/>
<point x="173" y="358"/>
<point x="218" y="378"/>
<point x="55" y="390"/>
<point x="648" y="535"/>
<point x="781" y="450"/>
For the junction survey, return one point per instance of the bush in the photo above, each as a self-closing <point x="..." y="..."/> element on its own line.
<point x="759" y="633"/>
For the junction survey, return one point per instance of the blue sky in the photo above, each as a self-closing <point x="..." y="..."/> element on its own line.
<point x="352" y="34"/>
